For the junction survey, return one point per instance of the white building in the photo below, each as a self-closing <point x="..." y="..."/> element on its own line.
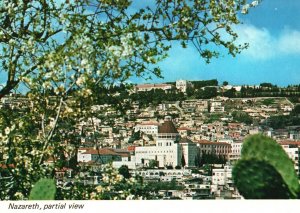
<point x="228" y="87"/>
<point x="294" y="135"/>
<point x="126" y="162"/>
<point x="216" y="106"/>
<point x="148" y="87"/>
<point x="183" y="85"/>
<point x="223" y="176"/>
<point x="163" y="174"/>
<point x="102" y="156"/>
<point x="169" y="150"/>
<point x="292" y="148"/>
<point x="150" y="128"/>
<point x="236" y="148"/>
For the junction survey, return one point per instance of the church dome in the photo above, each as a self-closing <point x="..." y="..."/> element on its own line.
<point x="167" y="128"/>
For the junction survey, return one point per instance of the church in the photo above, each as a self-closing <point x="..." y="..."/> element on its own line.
<point x="170" y="149"/>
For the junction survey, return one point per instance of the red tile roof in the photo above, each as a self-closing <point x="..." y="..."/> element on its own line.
<point x="105" y="151"/>
<point x="203" y="141"/>
<point x="290" y="143"/>
<point x="131" y="148"/>
<point x="4" y="166"/>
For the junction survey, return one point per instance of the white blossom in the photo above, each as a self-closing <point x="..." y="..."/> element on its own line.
<point x="105" y="179"/>
<point x="254" y="3"/>
<point x="19" y="195"/>
<point x="84" y="63"/>
<point x="7" y="130"/>
<point x="245" y="8"/>
<point x="115" y="50"/>
<point x="46" y="85"/>
<point x="69" y="110"/>
<point x="80" y="80"/>
<point x="130" y="197"/>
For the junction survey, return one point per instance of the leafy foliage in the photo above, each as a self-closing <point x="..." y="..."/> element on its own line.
<point x="205" y="83"/>
<point x="225" y="83"/>
<point x="44" y="189"/>
<point x="242" y="117"/>
<point x="206" y="93"/>
<point x="123" y="170"/>
<point x="259" y="180"/>
<point x="282" y="121"/>
<point x="157" y="96"/>
<point x="114" y="187"/>
<point x="153" y="164"/>
<point x="135" y="136"/>
<point x="266" y="85"/>
<point x="268" y="101"/>
<point x="172" y="185"/>
<point x="210" y="158"/>
<point x="259" y="148"/>
<point x="231" y="93"/>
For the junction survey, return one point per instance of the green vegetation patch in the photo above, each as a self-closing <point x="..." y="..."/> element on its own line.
<point x="261" y="148"/>
<point x="44" y="189"/>
<point x="259" y="180"/>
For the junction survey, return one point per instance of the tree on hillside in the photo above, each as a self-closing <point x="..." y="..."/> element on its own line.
<point x="296" y="110"/>
<point x="67" y="54"/>
<point x="268" y="101"/>
<point x="266" y="85"/>
<point x="231" y="93"/>
<point x="207" y="93"/>
<point x="242" y="117"/>
<point x="225" y="83"/>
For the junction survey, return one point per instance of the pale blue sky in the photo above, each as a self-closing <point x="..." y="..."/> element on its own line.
<point x="273" y="31"/>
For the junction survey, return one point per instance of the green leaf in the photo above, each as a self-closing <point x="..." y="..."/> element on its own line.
<point x="259" y="180"/>
<point x="262" y="148"/>
<point x="44" y="189"/>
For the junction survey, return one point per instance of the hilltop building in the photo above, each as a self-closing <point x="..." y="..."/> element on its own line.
<point x="183" y="85"/>
<point x="149" y="87"/>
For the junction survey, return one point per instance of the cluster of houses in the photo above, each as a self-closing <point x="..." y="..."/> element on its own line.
<point x="176" y="157"/>
<point x="176" y="143"/>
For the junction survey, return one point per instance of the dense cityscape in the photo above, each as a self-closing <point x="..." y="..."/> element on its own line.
<point x="181" y="139"/>
<point x="149" y="100"/>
